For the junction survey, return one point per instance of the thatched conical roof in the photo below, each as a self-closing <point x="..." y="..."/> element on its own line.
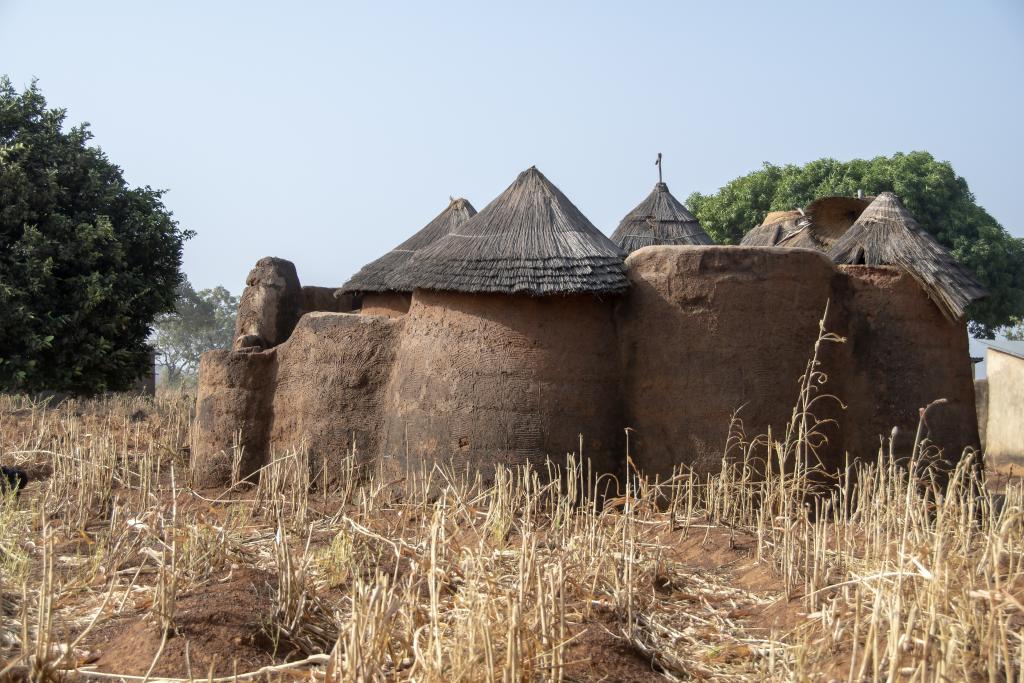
<point x="776" y="226"/>
<point x="816" y="227"/>
<point x="659" y="219"/>
<point x="531" y="239"/>
<point x="376" y="275"/>
<point x="887" y="235"/>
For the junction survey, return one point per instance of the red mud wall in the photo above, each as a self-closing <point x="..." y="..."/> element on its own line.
<point x="389" y="304"/>
<point x="490" y="379"/>
<point x="321" y="388"/>
<point x="331" y="376"/>
<point x="905" y="354"/>
<point x="235" y="394"/>
<point x="705" y="331"/>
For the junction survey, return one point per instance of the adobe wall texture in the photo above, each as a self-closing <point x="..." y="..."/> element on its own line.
<point x="331" y="375"/>
<point x="389" y="304"/>
<point x="236" y="392"/>
<point x="510" y="379"/>
<point x="706" y="331"/>
<point x="324" y="299"/>
<point x="321" y="389"/>
<point x="905" y="354"/>
<point x="1005" y="432"/>
<point x="703" y="332"/>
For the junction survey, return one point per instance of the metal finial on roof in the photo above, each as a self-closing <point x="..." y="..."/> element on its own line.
<point x="659" y="219"/>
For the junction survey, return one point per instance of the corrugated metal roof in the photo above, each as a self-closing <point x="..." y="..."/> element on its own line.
<point x="1010" y="348"/>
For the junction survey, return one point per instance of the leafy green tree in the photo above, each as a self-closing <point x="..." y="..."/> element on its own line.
<point x="202" y="321"/>
<point x="86" y="262"/>
<point x="939" y="199"/>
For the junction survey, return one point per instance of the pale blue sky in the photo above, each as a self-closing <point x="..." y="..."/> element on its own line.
<point x="326" y="133"/>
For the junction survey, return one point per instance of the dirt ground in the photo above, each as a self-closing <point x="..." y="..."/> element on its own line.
<point x="701" y="576"/>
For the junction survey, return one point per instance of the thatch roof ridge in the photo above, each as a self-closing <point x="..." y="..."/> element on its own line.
<point x="772" y="230"/>
<point x="886" y="234"/>
<point x="817" y="226"/>
<point x="530" y="239"/>
<point x="659" y="219"/>
<point x="764" y="235"/>
<point x="826" y="219"/>
<point x="374" y="276"/>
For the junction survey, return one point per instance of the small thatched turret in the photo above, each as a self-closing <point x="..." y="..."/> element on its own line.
<point x="376" y="276"/>
<point x="531" y="239"/>
<point x="659" y="219"/>
<point x="887" y="235"/>
<point x="818" y="226"/>
<point x="775" y="227"/>
<point x="829" y="218"/>
<point x="374" y="284"/>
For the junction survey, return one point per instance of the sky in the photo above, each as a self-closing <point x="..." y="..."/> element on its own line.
<point x="327" y="133"/>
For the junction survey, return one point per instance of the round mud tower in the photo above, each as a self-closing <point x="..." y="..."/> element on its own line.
<point x="233" y="408"/>
<point x="271" y="302"/>
<point x="706" y="331"/>
<point x="483" y="379"/>
<point x="905" y="354"/>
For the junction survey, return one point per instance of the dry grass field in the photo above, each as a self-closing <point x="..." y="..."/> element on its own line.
<point x="116" y="565"/>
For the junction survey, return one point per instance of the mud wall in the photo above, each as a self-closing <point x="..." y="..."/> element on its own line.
<point x="1005" y="432"/>
<point x="236" y="392"/>
<point x="705" y="331"/>
<point x="904" y="355"/>
<point x="324" y="299"/>
<point x="388" y="304"/>
<point x="320" y="389"/>
<point x="493" y="378"/>
<point x="331" y="375"/>
<point x="981" y="404"/>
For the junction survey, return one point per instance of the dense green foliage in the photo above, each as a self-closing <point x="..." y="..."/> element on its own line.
<point x="86" y="262"/>
<point x="934" y="193"/>
<point x="201" y="321"/>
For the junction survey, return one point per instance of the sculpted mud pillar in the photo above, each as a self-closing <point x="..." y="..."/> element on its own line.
<point x="271" y="304"/>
